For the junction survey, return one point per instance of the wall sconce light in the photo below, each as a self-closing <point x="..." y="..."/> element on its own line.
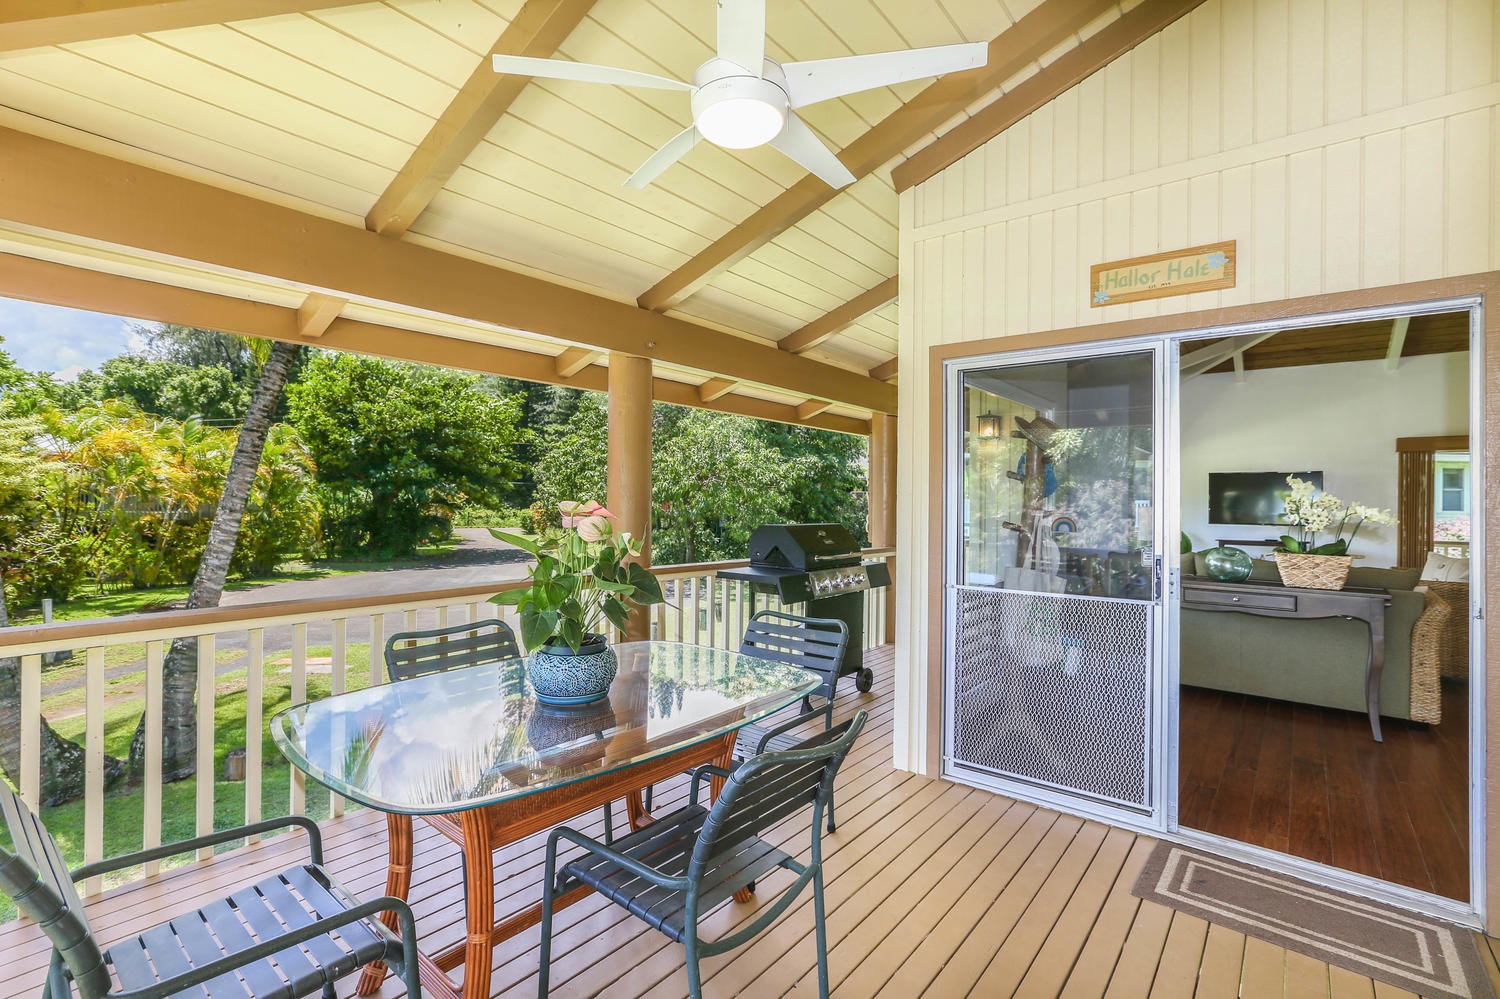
<point x="989" y="425"/>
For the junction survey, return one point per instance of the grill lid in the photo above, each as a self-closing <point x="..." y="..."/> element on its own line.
<point x="803" y="546"/>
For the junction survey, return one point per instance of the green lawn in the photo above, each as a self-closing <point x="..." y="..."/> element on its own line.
<point x="124" y="806"/>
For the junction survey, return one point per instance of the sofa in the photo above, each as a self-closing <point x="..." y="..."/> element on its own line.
<point x="1321" y="661"/>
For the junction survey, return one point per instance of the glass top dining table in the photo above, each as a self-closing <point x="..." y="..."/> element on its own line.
<point x="473" y="752"/>
<point x="465" y="738"/>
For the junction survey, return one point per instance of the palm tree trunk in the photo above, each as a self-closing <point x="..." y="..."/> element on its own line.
<point x="180" y="668"/>
<point x="62" y="759"/>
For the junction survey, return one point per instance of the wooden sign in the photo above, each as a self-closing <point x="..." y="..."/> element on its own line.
<point x="1180" y="272"/>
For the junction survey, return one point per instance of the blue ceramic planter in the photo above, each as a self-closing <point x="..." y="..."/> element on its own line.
<point x="564" y="678"/>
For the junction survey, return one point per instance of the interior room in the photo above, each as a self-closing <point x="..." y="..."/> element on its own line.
<point x="1277" y="748"/>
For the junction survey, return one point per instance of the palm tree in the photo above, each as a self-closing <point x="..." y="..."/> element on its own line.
<point x="180" y="668"/>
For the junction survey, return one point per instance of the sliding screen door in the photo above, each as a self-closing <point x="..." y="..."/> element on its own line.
<point x="1054" y="589"/>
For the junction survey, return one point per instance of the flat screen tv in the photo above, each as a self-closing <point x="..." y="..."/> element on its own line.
<point x="1251" y="497"/>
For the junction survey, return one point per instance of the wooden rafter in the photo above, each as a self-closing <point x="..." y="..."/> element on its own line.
<point x="716" y="388"/>
<point x="317" y="312"/>
<point x="79" y="288"/>
<point x="840" y="319"/>
<point x="1011" y="51"/>
<point x="1070" y="69"/>
<point x="575" y="359"/>
<point x="66" y="190"/>
<point x="1228" y="349"/>
<point x="539" y="28"/>
<point x="884" y="372"/>
<point x="812" y="407"/>
<point x="26" y="24"/>
<point x="1398" y="342"/>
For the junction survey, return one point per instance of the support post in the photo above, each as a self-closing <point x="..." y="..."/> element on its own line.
<point x="630" y="460"/>
<point x="882" y="493"/>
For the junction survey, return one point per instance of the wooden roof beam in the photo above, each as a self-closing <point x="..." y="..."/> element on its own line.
<point x="812" y="407"/>
<point x="575" y="359"/>
<point x="1397" y="344"/>
<point x="840" y="319"/>
<point x="90" y="196"/>
<point x="538" y="29"/>
<point x="1012" y="50"/>
<point x="716" y="388"/>
<point x="79" y="288"/>
<point x="26" y="24"/>
<point x="1070" y="69"/>
<point x="884" y="372"/>
<point x="316" y="313"/>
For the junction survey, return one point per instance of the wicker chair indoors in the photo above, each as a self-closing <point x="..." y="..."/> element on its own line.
<point x="676" y="870"/>
<point x="287" y="936"/>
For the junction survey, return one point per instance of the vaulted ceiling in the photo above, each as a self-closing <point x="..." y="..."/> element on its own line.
<point x="354" y="174"/>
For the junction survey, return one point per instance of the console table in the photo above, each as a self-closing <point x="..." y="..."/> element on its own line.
<point x="1275" y="600"/>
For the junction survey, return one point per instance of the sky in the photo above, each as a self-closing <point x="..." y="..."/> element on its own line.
<point x="63" y="341"/>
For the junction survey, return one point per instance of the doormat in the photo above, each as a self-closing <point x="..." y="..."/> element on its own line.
<point x="1405" y="949"/>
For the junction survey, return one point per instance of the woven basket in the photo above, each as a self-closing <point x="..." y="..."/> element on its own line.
<point x="1314" y="572"/>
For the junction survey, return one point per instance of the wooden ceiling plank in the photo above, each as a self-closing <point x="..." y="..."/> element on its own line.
<point x="538" y="29"/>
<point x="812" y="407"/>
<point x="884" y="372"/>
<point x="87" y="195"/>
<point x="34" y="280"/>
<point x="575" y="359"/>
<point x="26" y="24"/>
<point x="716" y="388"/>
<point x="840" y="319"/>
<point x="1070" y="69"/>
<point x="1040" y="31"/>
<point x="317" y="312"/>
<point x="1398" y="341"/>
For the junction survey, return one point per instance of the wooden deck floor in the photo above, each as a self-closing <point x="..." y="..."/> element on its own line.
<point x="934" y="890"/>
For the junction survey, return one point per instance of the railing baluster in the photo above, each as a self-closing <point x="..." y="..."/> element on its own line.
<point x="336" y="686"/>
<point x="255" y="706"/>
<point x="31" y="731"/>
<point x="205" y="771"/>
<point x="377" y="649"/>
<point x="151" y="756"/>
<point x="298" y="803"/>
<point x="93" y="764"/>
<point x="443" y="616"/>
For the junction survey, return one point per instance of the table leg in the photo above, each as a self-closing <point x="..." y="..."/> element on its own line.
<point x="725" y="760"/>
<point x="479" y="903"/>
<point x="397" y="884"/>
<point x="1374" y="667"/>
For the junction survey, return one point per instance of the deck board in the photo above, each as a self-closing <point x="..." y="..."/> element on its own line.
<point x="934" y="889"/>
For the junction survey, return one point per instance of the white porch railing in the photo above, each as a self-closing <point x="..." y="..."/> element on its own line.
<point x="121" y="677"/>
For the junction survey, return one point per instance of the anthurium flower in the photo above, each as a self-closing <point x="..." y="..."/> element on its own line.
<point x="595" y="528"/>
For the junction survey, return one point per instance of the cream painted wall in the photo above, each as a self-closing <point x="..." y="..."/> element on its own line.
<point x="1343" y="145"/>
<point x="1341" y="419"/>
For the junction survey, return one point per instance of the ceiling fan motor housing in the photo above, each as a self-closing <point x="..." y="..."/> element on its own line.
<point x="736" y="109"/>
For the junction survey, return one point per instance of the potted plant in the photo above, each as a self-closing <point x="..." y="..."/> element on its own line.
<point x="1300" y="558"/>
<point x="580" y="581"/>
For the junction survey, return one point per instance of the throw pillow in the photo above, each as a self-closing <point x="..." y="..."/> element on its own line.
<point x="1445" y="568"/>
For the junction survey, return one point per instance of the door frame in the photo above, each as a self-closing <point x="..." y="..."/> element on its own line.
<point x="1464" y="291"/>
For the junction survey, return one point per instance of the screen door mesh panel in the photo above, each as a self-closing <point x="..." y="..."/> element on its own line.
<point x="1054" y="690"/>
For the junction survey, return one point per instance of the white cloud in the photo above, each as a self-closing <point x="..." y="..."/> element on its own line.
<point x="50" y="338"/>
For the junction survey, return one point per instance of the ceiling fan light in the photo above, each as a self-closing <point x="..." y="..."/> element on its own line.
<point x="741" y="122"/>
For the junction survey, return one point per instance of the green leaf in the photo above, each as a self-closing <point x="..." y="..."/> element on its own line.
<point x="606" y="584"/>
<point x="617" y="612"/>
<point x="647" y="586"/>
<point x="521" y="541"/>
<point x="1290" y="544"/>
<point x="571" y="632"/>
<point x="537" y="628"/>
<point x="510" y="598"/>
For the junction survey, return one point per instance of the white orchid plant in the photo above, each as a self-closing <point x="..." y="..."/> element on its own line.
<point x="1313" y="513"/>
<point x="581" y="578"/>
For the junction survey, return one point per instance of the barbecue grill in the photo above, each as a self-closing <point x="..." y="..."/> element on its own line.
<point x="820" y="565"/>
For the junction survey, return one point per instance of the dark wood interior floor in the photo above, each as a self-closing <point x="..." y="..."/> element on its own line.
<point x="1311" y="782"/>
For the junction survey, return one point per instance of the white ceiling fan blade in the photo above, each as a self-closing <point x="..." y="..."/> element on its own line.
<point x="561" y="69"/>
<point x="803" y="145"/>
<point x="675" y="149"/>
<point x="742" y="33"/>
<point x="822" y="79"/>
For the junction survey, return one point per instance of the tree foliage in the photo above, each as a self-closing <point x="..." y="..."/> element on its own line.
<point x="399" y="447"/>
<point x="172" y="389"/>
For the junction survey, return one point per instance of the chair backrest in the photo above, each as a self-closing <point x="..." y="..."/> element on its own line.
<point x="815" y="643"/>
<point x="448" y="648"/>
<point x="768" y="788"/>
<point x="36" y="877"/>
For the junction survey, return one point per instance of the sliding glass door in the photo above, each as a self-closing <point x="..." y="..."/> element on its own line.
<point x="1054" y="595"/>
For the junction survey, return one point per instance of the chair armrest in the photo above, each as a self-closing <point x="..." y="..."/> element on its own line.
<point x="1427" y="661"/>
<point x="706" y="770"/>
<point x="317" y="928"/>
<point x="632" y="865"/>
<point x="786" y="726"/>
<point x="314" y="836"/>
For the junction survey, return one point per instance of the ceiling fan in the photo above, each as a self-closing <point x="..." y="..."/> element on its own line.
<point x="740" y="99"/>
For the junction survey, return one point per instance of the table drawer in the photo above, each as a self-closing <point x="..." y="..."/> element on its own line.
<point x="1247" y="599"/>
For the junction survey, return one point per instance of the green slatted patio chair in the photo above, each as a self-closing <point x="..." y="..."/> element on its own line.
<point x="452" y="647"/>
<point x="290" y="935"/>
<point x="674" y="871"/>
